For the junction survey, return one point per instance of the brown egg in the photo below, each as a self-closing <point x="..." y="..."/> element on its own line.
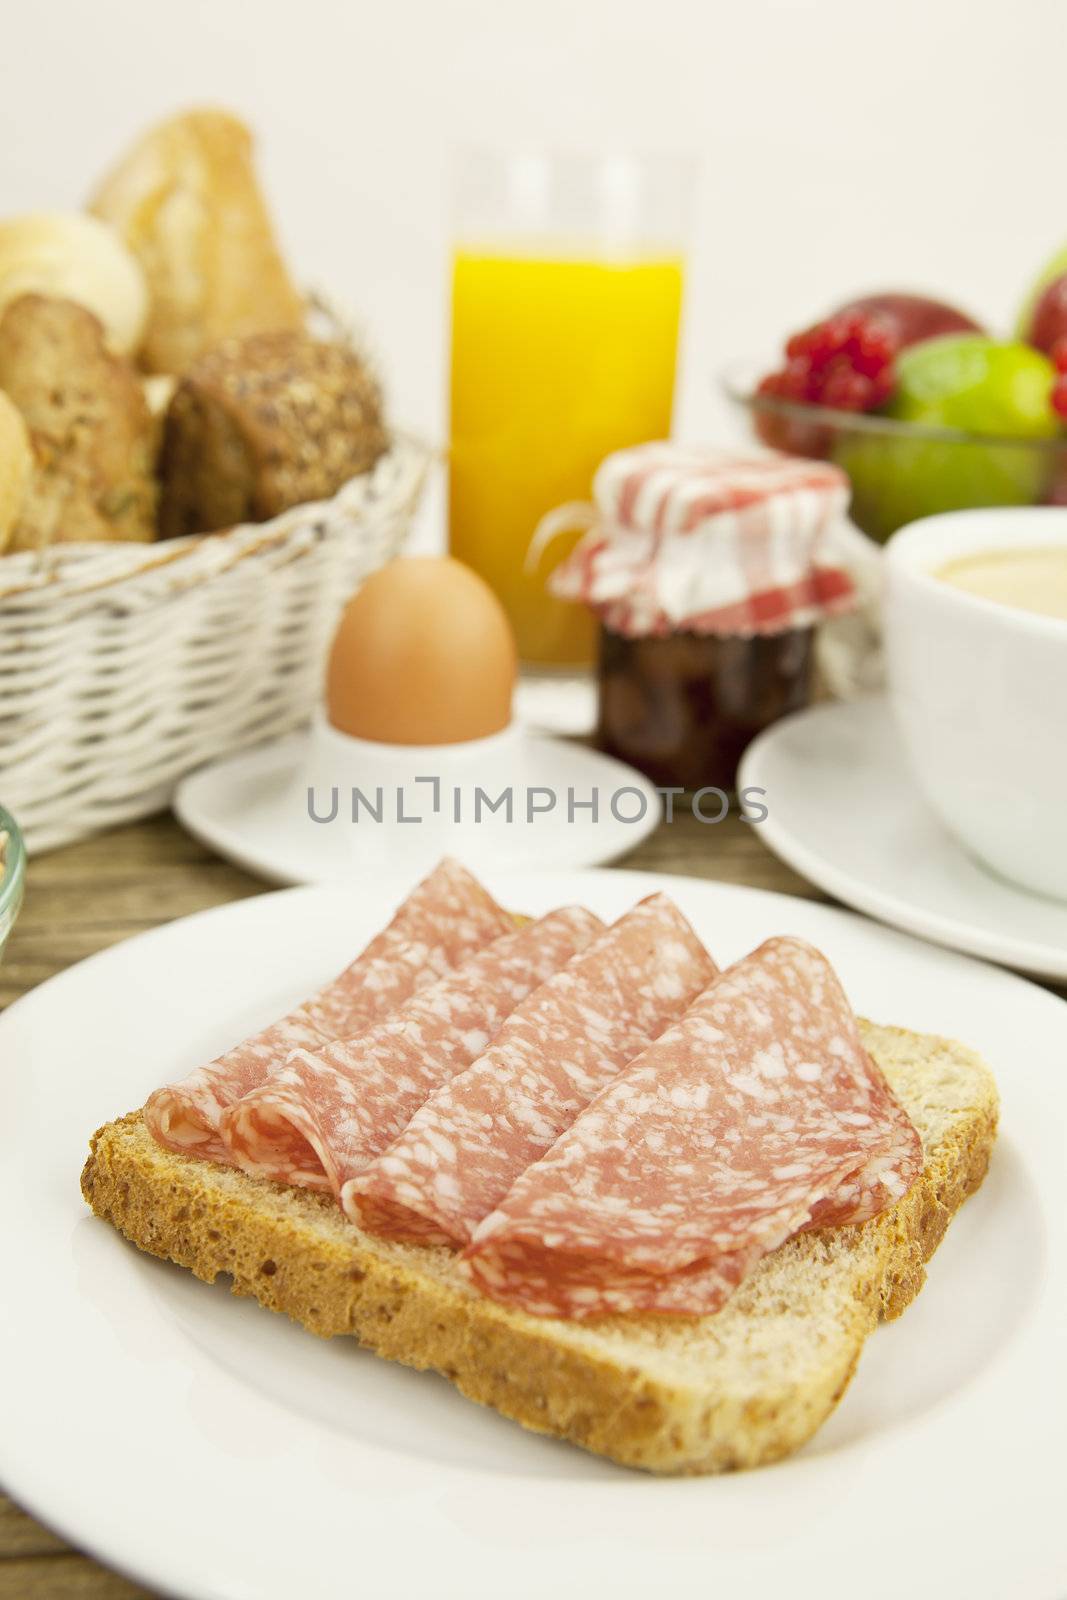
<point x="423" y="654"/>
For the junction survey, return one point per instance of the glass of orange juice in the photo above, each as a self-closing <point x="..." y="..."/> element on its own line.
<point x="566" y="299"/>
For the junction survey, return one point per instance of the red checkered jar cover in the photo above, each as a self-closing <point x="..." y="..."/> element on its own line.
<point x="709" y="541"/>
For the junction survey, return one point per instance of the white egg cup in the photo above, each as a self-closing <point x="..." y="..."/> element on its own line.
<point x="392" y="790"/>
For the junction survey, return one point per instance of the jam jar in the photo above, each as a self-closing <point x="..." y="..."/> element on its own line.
<point x="683" y="708"/>
<point x="709" y="571"/>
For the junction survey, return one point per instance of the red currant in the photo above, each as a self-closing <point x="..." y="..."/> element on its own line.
<point x="844" y="362"/>
<point x="845" y="389"/>
<point x="821" y="343"/>
<point x="872" y="347"/>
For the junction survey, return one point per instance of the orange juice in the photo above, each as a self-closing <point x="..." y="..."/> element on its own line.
<point x="555" y="363"/>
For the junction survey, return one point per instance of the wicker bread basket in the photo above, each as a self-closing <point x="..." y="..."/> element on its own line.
<point x="124" y="666"/>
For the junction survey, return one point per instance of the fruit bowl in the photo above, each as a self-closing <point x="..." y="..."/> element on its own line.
<point x="12" y="875"/>
<point x="899" y="470"/>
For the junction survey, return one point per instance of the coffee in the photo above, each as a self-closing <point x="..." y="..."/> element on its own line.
<point x="1029" y="580"/>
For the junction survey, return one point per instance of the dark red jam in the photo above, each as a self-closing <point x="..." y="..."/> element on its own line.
<point x="683" y="708"/>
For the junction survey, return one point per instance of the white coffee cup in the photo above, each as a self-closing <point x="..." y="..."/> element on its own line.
<point x="979" y="690"/>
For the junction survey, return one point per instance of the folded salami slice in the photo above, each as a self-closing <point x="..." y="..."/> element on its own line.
<point x="444" y="920"/>
<point x="463" y="1150"/>
<point x="321" y="1117"/>
<point x="756" y="1115"/>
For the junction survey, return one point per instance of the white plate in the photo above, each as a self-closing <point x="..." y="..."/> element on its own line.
<point x="845" y="812"/>
<point x="252" y="808"/>
<point x="221" y="1453"/>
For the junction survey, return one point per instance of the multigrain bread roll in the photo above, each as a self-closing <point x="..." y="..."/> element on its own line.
<point x="186" y="201"/>
<point x="16" y="466"/>
<point x="88" y="422"/>
<point x="262" y="424"/>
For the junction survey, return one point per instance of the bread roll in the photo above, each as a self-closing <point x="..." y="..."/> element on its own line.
<point x="187" y="202"/>
<point x="75" y="257"/>
<point x="16" y="465"/>
<point x="88" y="422"/>
<point x="262" y="424"/>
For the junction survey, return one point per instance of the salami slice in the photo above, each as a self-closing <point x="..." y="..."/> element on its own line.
<point x="756" y="1115"/>
<point x="463" y="1150"/>
<point x="323" y="1116"/>
<point x="444" y="920"/>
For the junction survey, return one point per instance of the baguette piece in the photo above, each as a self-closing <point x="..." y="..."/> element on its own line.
<point x="187" y="202"/>
<point x="667" y="1394"/>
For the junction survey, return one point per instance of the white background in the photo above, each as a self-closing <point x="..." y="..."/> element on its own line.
<point x="845" y="145"/>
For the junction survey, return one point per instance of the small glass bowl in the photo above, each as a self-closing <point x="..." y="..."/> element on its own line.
<point x="13" y="876"/>
<point x="901" y="471"/>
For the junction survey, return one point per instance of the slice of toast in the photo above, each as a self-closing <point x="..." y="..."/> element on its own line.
<point x="668" y="1394"/>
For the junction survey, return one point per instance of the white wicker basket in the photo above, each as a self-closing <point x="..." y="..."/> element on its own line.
<point x="124" y="666"/>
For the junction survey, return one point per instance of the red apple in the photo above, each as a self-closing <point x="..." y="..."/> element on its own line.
<point x="915" y="317"/>
<point x="1048" y="320"/>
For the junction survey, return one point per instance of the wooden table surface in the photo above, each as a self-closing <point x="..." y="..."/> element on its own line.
<point x="87" y="897"/>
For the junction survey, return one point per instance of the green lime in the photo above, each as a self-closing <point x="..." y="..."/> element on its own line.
<point x="966" y="382"/>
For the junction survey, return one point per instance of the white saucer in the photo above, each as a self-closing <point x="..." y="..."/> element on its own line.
<point x="253" y="808"/>
<point x="844" y="811"/>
